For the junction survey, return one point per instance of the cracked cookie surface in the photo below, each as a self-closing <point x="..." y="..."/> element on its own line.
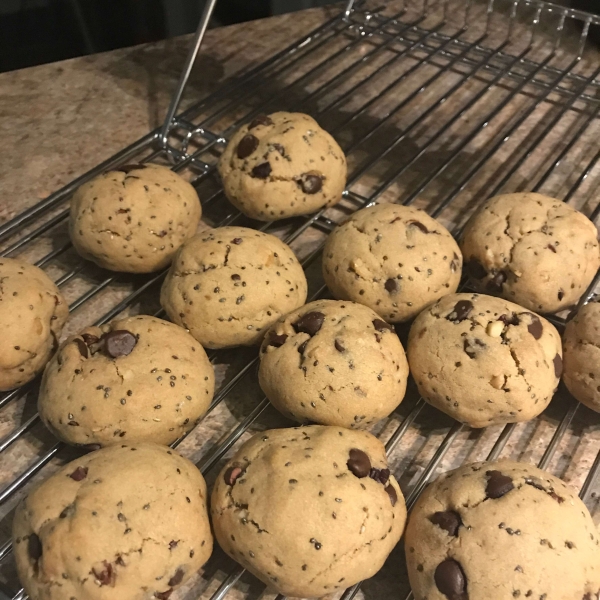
<point x="333" y="362"/>
<point x="581" y="348"/>
<point x="282" y="165"/>
<point x="499" y="531"/>
<point x="531" y="249"/>
<point x="484" y="360"/>
<point x="228" y="285"/>
<point x="32" y="315"/>
<point x="123" y="523"/>
<point x="308" y="510"/>
<point x="138" y="379"/>
<point x="133" y="219"/>
<point x="394" y="259"/>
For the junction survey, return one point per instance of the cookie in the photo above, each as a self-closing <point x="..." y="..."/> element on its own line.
<point x="133" y="219"/>
<point x="484" y="360"/>
<point x="394" y="259"/>
<point x="333" y="362"/>
<point x="138" y="379"/>
<point x="498" y="531"/>
<point x="581" y="348"/>
<point x="227" y="286"/>
<point x="308" y="510"/>
<point x="533" y="250"/>
<point x="282" y="165"/>
<point x="122" y="523"/>
<point x="32" y="315"/>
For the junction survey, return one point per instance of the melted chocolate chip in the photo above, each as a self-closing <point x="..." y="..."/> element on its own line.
<point x="90" y="339"/>
<point x="128" y="168"/>
<point x="232" y="474"/>
<point x="81" y="346"/>
<point x="359" y="463"/>
<point x="558" y="365"/>
<point x="381" y="475"/>
<point x="309" y="323"/>
<point x="498" y="484"/>
<point x="418" y="225"/>
<point x="339" y="346"/>
<point x="34" y="547"/>
<point x="119" y="343"/>
<point x="461" y="311"/>
<point x="260" y="120"/>
<point x="497" y="281"/>
<point x="248" y="144"/>
<point x="448" y="520"/>
<point x="391" y="285"/>
<point x="311" y="182"/>
<point x="535" y="328"/>
<point x="382" y="325"/>
<point x="107" y="576"/>
<point x="391" y="492"/>
<point x="177" y="578"/>
<point x="79" y="474"/>
<point x="450" y="580"/>
<point x="276" y="340"/>
<point x="475" y="269"/>
<point x="261" y="171"/>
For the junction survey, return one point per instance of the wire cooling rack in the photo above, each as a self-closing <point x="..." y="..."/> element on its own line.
<point x="436" y="104"/>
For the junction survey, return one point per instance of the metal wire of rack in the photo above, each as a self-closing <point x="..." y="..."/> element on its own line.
<point x="440" y="105"/>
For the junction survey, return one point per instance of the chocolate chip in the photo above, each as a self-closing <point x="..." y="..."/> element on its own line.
<point x="558" y="365"/>
<point x="247" y="145"/>
<point x="497" y="281"/>
<point x="382" y="325"/>
<point x="561" y="294"/>
<point x="461" y="311"/>
<point x="261" y="171"/>
<point x="276" y="340"/>
<point x="380" y="475"/>
<point x="90" y="339"/>
<point x="339" y="346"/>
<point x="237" y="241"/>
<point x="177" y="578"/>
<point x="450" y="580"/>
<point x="279" y="149"/>
<point x="551" y="247"/>
<point x="391" y="492"/>
<point x="535" y="328"/>
<point x="119" y="342"/>
<point x="232" y="474"/>
<point x="128" y="168"/>
<point x="448" y="520"/>
<point x="105" y="577"/>
<point x="260" y="120"/>
<point x="391" y="285"/>
<point x="302" y="346"/>
<point x="475" y="269"/>
<point x="512" y="319"/>
<point x="311" y="182"/>
<point x="79" y="474"/>
<point x="418" y="225"/>
<point x="498" y="484"/>
<point x="359" y="463"/>
<point x="309" y="323"/>
<point x="163" y="595"/>
<point x="81" y="346"/>
<point x="34" y="547"/>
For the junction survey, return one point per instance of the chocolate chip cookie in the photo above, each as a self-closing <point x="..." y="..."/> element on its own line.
<point x="581" y="347"/>
<point x="32" y="315"/>
<point x="282" y="165"/>
<point x="536" y="251"/>
<point x="122" y="523"/>
<point x="308" y="510"/>
<point x="135" y="218"/>
<point x="138" y="379"/>
<point x="227" y="286"/>
<point x="333" y="362"/>
<point x="497" y="531"/>
<point x="394" y="259"/>
<point x="484" y="360"/>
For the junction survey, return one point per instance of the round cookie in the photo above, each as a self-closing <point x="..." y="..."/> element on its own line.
<point x="394" y="259"/>
<point x="282" y="165"/>
<point x="32" y="315"/>
<point x="484" y="360"/>
<point x="122" y="523"/>
<point x="228" y="285"/>
<point x="536" y="251"/>
<point x="138" y="379"/>
<point x="333" y="362"/>
<point x="581" y="355"/>
<point x="497" y="531"/>
<point x="133" y="219"/>
<point x="308" y="510"/>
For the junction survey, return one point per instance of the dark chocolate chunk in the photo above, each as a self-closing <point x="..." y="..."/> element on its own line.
<point x="34" y="547"/>
<point x="382" y="325"/>
<point x="461" y="311"/>
<point x="448" y="520"/>
<point x="81" y="346"/>
<point x="311" y="182"/>
<point x="177" y="578"/>
<point x="128" y="168"/>
<point x="107" y="576"/>
<point x="391" y="492"/>
<point x="79" y="474"/>
<point x="558" y="365"/>
<point x="418" y="225"/>
<point x="535" y="328"/>
<point x="247" y="145"/>
<point x="475" y="269"/>
<point x="119" y="343"/>
<point x="498" y="484"/>
<point x="260" y="120"/>
<point x="381" y="475"/>
<point x="339" y="346"/>
<point x="90" y="339"/>
<point x="232" y="474"/>
<point x="450" y="580"/>
<point x="391" y="285"/>
<point x="261" y="171"/>
<point x="309" y="323"/>
<point x="359" y="463"/>
<point x="277" y="340"/>
<point x="497" y="281"/>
